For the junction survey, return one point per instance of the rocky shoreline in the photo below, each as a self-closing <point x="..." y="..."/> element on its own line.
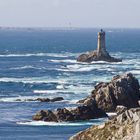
<point x="125" y="126"/>
<point x="120" y="95"/>
<point x="121" y="90"/>
<point x="84" y="112"/>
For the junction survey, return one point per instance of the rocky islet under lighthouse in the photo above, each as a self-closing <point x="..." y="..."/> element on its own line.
<point x="100" y="54"/>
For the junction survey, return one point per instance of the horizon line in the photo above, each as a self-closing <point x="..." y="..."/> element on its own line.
<point x="65" y="27"/>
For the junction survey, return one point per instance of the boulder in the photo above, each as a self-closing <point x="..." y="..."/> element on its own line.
<point x="126" y="126"/>
<point x="121" y="90"/>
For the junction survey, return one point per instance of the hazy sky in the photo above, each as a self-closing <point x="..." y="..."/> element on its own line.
<point x="64" y="13"/>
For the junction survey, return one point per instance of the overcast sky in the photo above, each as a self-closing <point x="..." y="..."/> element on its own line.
<point x="65" y="13"/>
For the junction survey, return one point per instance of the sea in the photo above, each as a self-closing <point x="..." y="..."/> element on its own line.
<point x="41" y="62"/>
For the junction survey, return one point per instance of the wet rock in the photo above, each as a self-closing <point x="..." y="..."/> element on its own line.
<point x="45" y="115"/>
<point x="42" y="99"/>
<point x="74" y="114"/>
<point x="124" y="127"/>
<point x="57" y="99"/>
<point x="64" y="115"/>
<point x="121" y="90"/>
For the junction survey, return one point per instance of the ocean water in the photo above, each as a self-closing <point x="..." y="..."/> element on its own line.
<point x="42" y="63"/>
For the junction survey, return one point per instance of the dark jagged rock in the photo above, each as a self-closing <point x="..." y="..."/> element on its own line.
<point x="100" y="54"/>
<point x="122" y="90"/>
<point x="45" y="115"/>
<point x="85" y="112"/>
<point x="126" y="126"/>
<point x="43" y="99"/>
<point x="57" y="99"/>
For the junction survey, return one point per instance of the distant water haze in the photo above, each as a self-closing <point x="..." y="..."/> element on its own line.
<point x="70" y="13"/>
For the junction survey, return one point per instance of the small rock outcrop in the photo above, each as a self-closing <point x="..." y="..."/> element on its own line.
<point x="85" y="112"/>
<point x="121" y="90"/>
<point x="100" y="54"/>
<point x="126" y="126"/>
<point x="56" y="99"/>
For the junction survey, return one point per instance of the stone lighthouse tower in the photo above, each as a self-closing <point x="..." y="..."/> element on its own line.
<point x="101" y="47"/>
<point x="100" y="54"/>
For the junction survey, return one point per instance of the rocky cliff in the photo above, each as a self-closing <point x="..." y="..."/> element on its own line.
<point x="121" y="90"/>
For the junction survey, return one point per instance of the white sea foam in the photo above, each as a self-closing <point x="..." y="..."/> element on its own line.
<point x="40" y="54"/>
<point x="42" y="123"/>
<point x="82" y="123"/>
<point x="19" y="99"/>
<point x="24" y="67"/>
<point x="60" y="87"/>
<point x="47" y="91"/>
<point x="68" y="90"/>
<point x="23" y="55"/>
<point x="100" y="62"/>
<point x="137" y="72"/>
<point x="32" y="80"/>
<point x="86" y="68"/>
<point x="63" y="61"/>
<point x="77" y="68"/>
<point x="111" y="114"/>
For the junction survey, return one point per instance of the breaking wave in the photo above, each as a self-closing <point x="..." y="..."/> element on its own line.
<point x="20" y="99"/>
<point x="32" y="80"/>
<point x="64" y="61"/>
<point x="24" y="67"/>
<point x="42" y="123"/>
<point x="61" y="55"/>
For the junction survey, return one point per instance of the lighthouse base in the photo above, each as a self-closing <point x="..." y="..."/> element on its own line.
<point x="94" y="56"/>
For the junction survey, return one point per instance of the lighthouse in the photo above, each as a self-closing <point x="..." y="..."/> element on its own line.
<point x="101" y="46"/>
<point x="100" y="54"/>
